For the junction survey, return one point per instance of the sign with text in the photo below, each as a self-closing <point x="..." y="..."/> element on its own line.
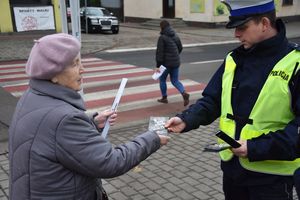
<point x="197" y="6"/>
<point x="34" y="18"/>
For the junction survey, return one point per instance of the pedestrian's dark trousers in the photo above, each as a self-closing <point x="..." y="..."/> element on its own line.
<point x="297" y="181"/>
<point x="280" y="190"/>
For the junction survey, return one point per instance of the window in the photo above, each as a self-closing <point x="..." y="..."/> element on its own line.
<point x="287" y="2"/>
<point x="30" y="2"/>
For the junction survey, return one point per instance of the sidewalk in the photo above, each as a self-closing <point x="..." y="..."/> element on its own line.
<point x="178" y="171"/>
<point x="17" y="46"/>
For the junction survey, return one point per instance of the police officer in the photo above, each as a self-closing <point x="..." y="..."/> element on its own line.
<point x="256" y="96"/>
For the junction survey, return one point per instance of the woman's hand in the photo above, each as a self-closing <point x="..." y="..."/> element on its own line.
<point x="109" y="115"/>
<point x="175" y="125"/>
<point x="163" y="139"/>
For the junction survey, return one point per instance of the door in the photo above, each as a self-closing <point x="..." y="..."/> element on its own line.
<point x="168" y="8"/>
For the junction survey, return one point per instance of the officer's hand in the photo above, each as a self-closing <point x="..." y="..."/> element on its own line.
<point x="175" y="125"/>
<point x="109" y="115"/>
<point x="242" y="150"/>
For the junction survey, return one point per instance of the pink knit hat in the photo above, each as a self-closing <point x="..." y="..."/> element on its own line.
<point x="51" y="54"/>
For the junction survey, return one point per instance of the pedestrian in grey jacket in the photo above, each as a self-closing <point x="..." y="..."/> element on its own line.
<point x="55" y="150"/>
<point x="168" y="52"/>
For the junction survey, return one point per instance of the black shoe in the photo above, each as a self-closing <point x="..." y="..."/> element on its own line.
<point x="186" y="98"/>
<point x="163" y="100"/>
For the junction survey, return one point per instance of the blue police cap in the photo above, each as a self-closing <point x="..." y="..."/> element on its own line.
<point x="241" y="11"/>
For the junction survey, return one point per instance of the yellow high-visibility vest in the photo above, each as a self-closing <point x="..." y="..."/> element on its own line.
<point x="272" y="111"/>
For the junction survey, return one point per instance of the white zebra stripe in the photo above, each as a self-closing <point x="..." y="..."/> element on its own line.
<point x="132" y="90"/>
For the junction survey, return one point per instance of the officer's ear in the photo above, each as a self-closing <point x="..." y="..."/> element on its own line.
<point x="266" y="23"/>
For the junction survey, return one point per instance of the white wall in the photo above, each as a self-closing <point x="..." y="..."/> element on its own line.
<point x="143" y="8"/>
<point x="289" y="10"/>
<point x="180" y="8"/>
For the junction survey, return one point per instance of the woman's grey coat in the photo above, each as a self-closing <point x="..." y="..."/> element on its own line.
<point x="56" y="152"/>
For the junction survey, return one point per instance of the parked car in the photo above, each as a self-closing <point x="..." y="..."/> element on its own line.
<point x="98" y="19"/>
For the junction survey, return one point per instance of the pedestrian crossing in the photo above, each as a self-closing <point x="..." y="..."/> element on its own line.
<point x="101" y="81"/>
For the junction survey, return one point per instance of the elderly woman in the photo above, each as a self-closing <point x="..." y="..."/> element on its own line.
<point x="55" y="150"/>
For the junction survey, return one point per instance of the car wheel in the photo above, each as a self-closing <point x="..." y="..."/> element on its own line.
<point x="115" y="30"/>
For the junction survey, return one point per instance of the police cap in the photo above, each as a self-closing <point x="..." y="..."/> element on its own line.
<point x="241" y="11"/>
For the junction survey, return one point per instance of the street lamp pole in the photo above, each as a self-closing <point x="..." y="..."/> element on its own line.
<point x="75" y="18"/>
<point x="63" y="15"/>
<point x="86" y="20"/>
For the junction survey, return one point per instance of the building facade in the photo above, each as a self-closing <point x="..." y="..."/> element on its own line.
<point x="195" y="11"/>
<point x="202" y="12"/>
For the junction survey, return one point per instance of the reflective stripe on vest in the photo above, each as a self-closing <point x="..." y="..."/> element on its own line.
<point x="272" y="111"/>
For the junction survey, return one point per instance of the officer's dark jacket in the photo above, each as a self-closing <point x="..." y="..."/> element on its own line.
<point x="253" y="68"/>
<point x="168" y="48"/>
